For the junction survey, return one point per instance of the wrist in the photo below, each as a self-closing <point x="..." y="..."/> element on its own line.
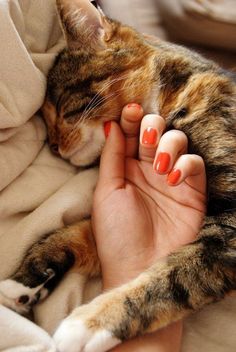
<point x="124" y="270"/>
<point x="112" y="280"/>
<point x="116" y="278"/>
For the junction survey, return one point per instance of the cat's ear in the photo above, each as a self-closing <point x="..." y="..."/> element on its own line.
<point x="84" y="24"/>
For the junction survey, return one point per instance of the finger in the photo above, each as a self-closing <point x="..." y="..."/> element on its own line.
<point x="131" y="117"/>
<point x="112" y="163"/>
<point x="172" y="144"/>
<point x="152" y="127"/>
<point x="189" y="168"/>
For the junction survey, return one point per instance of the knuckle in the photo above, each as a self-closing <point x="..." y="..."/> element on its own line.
<point x="196" y="159"/>
<point x="176" y="137"/>
<point x="180" y="136"/>
<point x="192" y="160"/>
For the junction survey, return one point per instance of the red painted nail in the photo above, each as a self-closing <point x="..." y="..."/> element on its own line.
<point x="134" y="105"/>
<point x="149" y="136"/>
<point x="162" y="162"/>
<point x="174" y="176"/>
<point x="107" y="128"/>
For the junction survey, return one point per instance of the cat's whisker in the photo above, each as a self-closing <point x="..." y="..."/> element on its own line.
<point x="106" y="86"/>
<point x="99" y="101"/>
<point x="106" y="100"/>
<point x="86" y="113"/>
<point x="114" y="93"/>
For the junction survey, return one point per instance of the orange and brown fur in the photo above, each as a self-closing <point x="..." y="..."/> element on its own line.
<point x="105" y="66"/>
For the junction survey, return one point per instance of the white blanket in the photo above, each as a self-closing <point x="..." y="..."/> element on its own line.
<point x="39" y="192"/>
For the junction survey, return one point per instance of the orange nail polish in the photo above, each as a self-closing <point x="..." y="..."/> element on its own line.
<point x="134" y="105"/>
<point x="162" y="162"/>
<point x="174" y="176"/>
<point x="149" y="136"/>
<point x="107" y="128"/>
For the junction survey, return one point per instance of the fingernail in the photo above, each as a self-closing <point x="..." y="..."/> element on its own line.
<point x="174" y="176"/>
<point x="134" y="105"/>
<point x="107" y="128"/>
<point x="162" y="162"/>
<point x="149" y="136"/>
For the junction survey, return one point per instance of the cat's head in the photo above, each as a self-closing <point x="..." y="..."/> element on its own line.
<point x="101" y="69"/>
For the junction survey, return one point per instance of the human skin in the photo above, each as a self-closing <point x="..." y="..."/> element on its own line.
<point x="139" y="216"/>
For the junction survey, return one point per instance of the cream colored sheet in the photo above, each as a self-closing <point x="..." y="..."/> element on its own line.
<point x="38" y="192"/>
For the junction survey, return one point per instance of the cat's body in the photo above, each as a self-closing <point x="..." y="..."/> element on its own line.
<point x="89" y="84"/>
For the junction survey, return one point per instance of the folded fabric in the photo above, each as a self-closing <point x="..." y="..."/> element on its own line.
<point x="38" y="191"/>
<point x="20" y="335"/>
<point x="221" y="10"/>
<point x="142" y="15"/>
<point x="211" y="23"/>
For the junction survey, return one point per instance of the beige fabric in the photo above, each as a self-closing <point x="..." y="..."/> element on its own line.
<point x="20" y="335"/>
<point x="220" y="10"/>
<point x="140" y="14"/>
<point x="199" y="22"/>
<point x="38" y="192"/>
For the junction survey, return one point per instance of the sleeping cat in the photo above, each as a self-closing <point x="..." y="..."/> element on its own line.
<point x="105" y="66"/>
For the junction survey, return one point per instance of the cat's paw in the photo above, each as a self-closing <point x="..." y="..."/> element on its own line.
<point x="20" y="298"/>
<point x="74" y="335"/>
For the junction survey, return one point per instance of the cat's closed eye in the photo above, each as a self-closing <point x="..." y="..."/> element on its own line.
<point x="83" y="108"/>
<point x="75" y="112"/>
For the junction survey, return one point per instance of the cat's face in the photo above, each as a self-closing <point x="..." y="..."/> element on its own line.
<point x="101" y="70"/>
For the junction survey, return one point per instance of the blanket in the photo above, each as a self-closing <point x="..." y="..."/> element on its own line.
<point x="38" y="191"/>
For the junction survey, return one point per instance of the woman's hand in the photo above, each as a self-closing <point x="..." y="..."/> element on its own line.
<point x="147" y="206"/>
<point x="150" y="200"/>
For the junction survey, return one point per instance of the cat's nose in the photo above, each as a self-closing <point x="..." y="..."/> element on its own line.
<point x="54" y="148"/>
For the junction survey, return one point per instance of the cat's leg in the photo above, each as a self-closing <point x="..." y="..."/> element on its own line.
<point x="47" y="261"/>
<point x="198" y="274"/>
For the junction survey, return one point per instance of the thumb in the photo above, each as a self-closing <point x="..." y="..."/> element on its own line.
<point x="112" y="163"/>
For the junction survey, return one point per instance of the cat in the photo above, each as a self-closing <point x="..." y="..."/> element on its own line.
<point x="104" y="66"/>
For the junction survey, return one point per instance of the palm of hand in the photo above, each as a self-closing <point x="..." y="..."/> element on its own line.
<point x="175" y="213"/>
<point x="169" y="216"/>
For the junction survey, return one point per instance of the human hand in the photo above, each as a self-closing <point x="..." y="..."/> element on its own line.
<point x="141" y="214"/>
<point x="138" y="217"/>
